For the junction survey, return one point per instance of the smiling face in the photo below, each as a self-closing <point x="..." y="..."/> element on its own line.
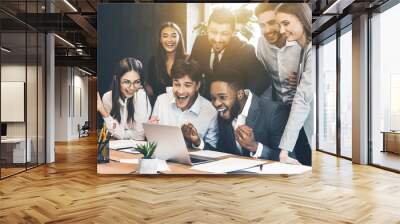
<point x="269" y="26"/>
<point x="169" y="39"/>
<point x="290" y="26"/>
<point x="219" y="35"/>
<point x="129" y="84"/>
<point x="185" y="91"/>
<point x="224" y="99"/>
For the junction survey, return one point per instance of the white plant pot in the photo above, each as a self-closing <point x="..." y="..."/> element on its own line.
<point x="148" y="166"/>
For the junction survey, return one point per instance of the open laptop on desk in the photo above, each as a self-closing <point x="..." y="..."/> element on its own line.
<point x="170" y="144"/>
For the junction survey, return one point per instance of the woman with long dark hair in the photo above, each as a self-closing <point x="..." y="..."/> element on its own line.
<point x="171" y="47"/>
<point x="126" y="106"/>
<point x="295" y="24"/>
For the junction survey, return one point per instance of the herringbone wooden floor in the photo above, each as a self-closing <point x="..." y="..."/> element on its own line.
<point x="70" y="191"/>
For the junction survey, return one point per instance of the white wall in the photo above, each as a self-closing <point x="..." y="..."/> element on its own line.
<point x="33" y="127"/>
<point x="13" y="73"/>
<point x="71" y="102"/>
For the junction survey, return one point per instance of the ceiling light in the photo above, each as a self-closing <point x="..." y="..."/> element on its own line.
<point x="65" y="41"/>
<point x="338" y="6"/>
<point x="84" y="71"/>
<point x="70" y="5"/>
<point x="5" y="50"/>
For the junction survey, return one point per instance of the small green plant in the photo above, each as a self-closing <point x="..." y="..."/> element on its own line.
<point x="147" y="149"/>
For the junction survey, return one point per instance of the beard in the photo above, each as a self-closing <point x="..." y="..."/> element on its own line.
<point x="235" y="110"/>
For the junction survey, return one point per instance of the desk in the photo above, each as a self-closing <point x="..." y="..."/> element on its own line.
<point x="115" y="167"/>
<point x="13" y="150"/>
<point x="391" y="141"/>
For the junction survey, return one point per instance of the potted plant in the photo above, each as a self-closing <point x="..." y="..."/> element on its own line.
<point x="147" y="164"/>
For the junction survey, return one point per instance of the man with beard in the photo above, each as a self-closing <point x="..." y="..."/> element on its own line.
<point x="185" y="107"/>
<point x="248" y="125"/>
<point x="221" y="47"/>
<point x="281" y="59"/>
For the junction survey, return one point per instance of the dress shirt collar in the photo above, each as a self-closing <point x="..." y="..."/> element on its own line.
<point x="195" y="108"/>
<point x="287" y="44"/>
<point x="246" y="108"/>
<point x="219" y="54"/>
<point x="123" y="101"/>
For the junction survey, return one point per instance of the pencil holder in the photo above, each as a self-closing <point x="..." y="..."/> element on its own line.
<point x="103" y="152"/>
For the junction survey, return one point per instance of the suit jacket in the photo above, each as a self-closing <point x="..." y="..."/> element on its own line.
<point x="238" y="55"/>
<point x="267" y="119"/>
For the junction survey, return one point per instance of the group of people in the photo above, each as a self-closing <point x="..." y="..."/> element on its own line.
<point x="226" y="95"/>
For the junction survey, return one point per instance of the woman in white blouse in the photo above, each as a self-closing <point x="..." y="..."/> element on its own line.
<point x="126" y="106"/>
<point x="295" y="24"/>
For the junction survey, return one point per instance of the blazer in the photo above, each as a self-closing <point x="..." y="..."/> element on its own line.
<point x="238" y="55"/>
<point x="267" y="119"/>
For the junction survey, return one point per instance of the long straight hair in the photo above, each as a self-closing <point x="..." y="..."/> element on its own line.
<point x="161" y="55"/>
<point x="302" y="11"/>
<point x="125" y="65"/>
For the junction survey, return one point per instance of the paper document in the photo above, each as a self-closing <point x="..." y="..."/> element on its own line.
<point x="131" y="150"/>
<point x="131" y="161"/>
<point x="227" y="165"/>
<point x="209" y="154"/>
<point x="280" y="168"/>
<point x="121" y="144"/>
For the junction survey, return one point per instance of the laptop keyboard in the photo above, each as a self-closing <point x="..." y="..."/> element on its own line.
<point x="197" y="160"/>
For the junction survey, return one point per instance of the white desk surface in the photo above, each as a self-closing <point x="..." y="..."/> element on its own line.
<point x="14" y="140"/>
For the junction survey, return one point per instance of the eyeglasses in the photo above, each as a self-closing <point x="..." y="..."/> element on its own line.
<point x="128" y="83"/>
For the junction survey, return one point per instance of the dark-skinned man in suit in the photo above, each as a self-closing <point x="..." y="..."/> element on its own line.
<point x="248" y="125"/>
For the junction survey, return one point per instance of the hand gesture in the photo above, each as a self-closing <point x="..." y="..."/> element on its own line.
<point x="190" y="134"/>
<point x="245" y="137"/>
<point x="100" y="106"/>
<point x="284" y="158"/>
<point x="292" y="80"/>
<point x="154" y="120"/>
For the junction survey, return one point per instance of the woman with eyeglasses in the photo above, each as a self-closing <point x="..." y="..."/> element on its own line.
<point x="295" y="24"/>
<point x="126" y="106"/>
<point x="171" y="47"/>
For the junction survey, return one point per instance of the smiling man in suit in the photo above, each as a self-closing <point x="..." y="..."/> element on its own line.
<point x="220" y="47"/>
<point x="248" y="125"/>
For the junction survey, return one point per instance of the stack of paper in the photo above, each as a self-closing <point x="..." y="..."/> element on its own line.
<point x="280" y="168"/>
<point x="122" y="144"/>
<point x="227" y="165"/>
<point x="131" y="150"/>
<point x="131" y="161"/>
<point x="209" y="154"/>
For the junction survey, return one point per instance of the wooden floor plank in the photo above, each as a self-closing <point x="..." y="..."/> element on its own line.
<point x="70" y="191"/>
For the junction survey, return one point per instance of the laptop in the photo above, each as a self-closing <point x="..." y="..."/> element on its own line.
<point x="171" y="145"/>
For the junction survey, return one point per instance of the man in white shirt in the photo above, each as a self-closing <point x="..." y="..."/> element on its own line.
<point x="279" y="57"/>
<point x="185" y="107"/>
<point x="248" y="125"/>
